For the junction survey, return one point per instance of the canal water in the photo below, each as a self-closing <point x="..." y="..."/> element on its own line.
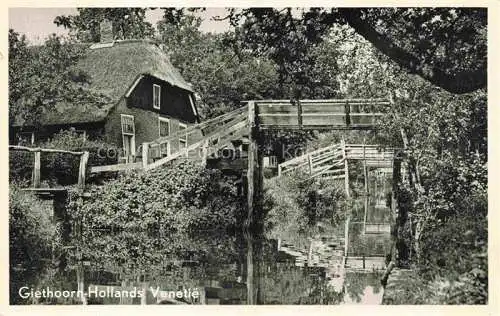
<point x="217" y="265"/>
<point x="224" y="267"/>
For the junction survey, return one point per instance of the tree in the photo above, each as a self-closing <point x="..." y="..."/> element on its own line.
<point x="42" y="76"/>
<point x="446" y="46"/>
<point x="128" y="23"/>
<point x="220" y="77"/>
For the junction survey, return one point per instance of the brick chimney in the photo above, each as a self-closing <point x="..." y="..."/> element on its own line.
<point x="106" y="31"/>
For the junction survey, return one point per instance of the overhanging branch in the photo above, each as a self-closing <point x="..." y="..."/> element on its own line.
<point x="461" y="82"/>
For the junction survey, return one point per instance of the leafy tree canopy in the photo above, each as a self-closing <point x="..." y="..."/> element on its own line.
<point x="41" y="76"/>
<point x="446" y="46"/>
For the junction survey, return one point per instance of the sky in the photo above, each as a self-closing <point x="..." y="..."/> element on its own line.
<point x="37" y="23"/>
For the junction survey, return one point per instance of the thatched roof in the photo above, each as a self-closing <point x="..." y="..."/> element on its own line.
<point x="113" y="69"/>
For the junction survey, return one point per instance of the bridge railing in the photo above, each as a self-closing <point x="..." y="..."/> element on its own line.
<point x="319" y="114"/>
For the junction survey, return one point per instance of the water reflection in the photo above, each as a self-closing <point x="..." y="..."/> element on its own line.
<point x="225" y="267"/>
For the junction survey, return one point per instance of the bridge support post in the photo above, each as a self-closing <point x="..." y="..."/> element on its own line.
<point x="365" y="171"/>
<point x="255" y="179"/>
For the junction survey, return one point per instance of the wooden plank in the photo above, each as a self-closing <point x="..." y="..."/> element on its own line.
<point x="346" y="169"/>
<point x="327" y="159"/>
<point x="358" y="101"/>
<point x="330" y="154"/>
<point x="330" y="127"/>
<point x="346" y="236"/>
<point x="267" y="109"/>
<point x="321" y="119"/>
<point x="365" y="171"/>
<point x="45" y="150"/>
<point x="117" y="167"/>
<point x="279" y="120"/>
<point x="36" y="170"/>
<point x="307" y="120"/>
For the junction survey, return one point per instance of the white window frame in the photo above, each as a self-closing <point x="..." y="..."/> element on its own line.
<point x="155" y="87"/>
<point x="165" y="120"/>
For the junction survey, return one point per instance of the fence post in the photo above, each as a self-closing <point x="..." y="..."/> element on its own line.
<point x="81" y="282"/>
<point x="251" y="172"/>
<point x="83" y="169"/>
<point x="36" y="169"/>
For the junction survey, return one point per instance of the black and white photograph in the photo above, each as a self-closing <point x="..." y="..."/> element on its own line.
<point x="247" y="155"/>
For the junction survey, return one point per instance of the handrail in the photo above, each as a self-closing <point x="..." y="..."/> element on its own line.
<point x="45" y="150"/>
<point x="200" y="126"/>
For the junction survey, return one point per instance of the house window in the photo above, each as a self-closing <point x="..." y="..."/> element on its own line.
<point x="156" y="96"/>
<point x="128" y="136"/>
<point x="164" y="131"/>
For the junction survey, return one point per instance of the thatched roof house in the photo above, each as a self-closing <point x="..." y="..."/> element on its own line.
<point x="143" y="89"/>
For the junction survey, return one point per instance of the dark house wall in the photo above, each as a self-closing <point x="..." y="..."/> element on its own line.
<point x="174" y="102"/>
<point x="146" y="126"/>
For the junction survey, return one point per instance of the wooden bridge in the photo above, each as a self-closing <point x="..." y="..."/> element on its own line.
<point x="206" y="138"/>
<point x="330" y="161"/>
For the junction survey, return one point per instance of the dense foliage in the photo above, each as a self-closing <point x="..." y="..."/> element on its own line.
<point x="443" y="196"/>
<point x="446" y="46"/>
<point x="41" y="76"/>
<point x="298" y="207"/>
<point x="146" y="220"/>
<point x="127" y="23"/>
<point x="33" y="239"/>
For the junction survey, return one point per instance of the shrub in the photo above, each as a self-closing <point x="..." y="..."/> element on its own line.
<point x="142" y="219"/>
<point x="295" y="205"/>
<point x="32" y="238"/>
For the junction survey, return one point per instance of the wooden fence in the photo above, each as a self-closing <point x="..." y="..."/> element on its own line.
<point x="36" y="178"/>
